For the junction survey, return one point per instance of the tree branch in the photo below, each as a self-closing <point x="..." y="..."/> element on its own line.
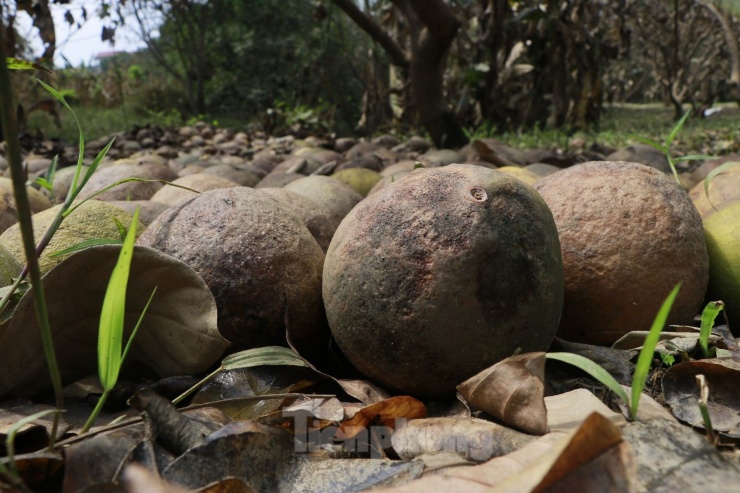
<point x="367" y="24"/>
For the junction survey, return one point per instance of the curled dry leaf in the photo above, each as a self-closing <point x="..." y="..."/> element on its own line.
<point x="178" y="334"/>
<point x="386" y="413"/>
<point x="473" y="439"/>
<point x="723" y="379"/>
<point x="539" y="465"/>
<point x="138" y="479"/>
<point x="512" y="390"/>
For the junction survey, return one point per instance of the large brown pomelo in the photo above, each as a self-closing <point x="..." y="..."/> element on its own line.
<point x="629" y="234"/>
<point x="258" y="259"/>
<point x="442" y="274"/>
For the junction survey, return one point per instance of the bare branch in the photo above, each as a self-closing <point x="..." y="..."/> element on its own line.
<point x="367" y="24"/>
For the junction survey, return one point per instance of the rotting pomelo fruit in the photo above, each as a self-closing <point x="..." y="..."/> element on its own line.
<point x="629" y="234"/>
<point x="258" y="259"/>
<point x="442" y="274"/>
<point x="722" y="231"/>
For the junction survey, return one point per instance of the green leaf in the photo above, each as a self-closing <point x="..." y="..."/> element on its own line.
<point x="651" y="143"/>
<point x="263" y="356"/>
<point x="15" y="427"/>
<point x="648" y="349"/>
<point x="138" y="324"/>
<point x="719" y="169"/>
<point x="81" y="153"/>
<point x="708" y="316"/>
<point x="667" y="359"/>
<point x="121" y="228"/>
<point x="119" y="182"/>
<point x="677" y="128"/>
<point x="86" y="244"/>
<point x="44" y="183"/>
<point x="694" y="157"/>
<point x="593" y="369"/>
<point x="18" y="64"/>
<point x="110" y="334"/>
<point x="418" y="165"/>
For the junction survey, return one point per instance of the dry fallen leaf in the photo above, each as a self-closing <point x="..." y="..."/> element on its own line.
<point x="178" y="335"/>
<point x="538" y="465"/>
<point x="473" y="439"/>
<point x="722" y="378"/>
<point x="386" y="414"/>
<point x="513" y="391"/>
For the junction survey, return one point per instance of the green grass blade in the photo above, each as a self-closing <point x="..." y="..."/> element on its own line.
<point x="120" y="182"/>
<point x="648" y="349"/>
<point x="121" y="228"/>
<point x="677" y="129"/>
<point x="694" y="157"/>
<point x="94" y="165"/>
<point x="138" y="324"/>
<point x="110" y="333"/>
<point x="651" y="143"/>
<point x="18" y="64"/>
<point x="593" y="369"/>
<point x="81" y="153"/>
<point x="86" y="244"/>
<point x="44" y="183"/>
<point x="262" y="356"/>
<point x="708" y="316"/>
<point x="13" y="431"/>
<point x="719" y="169"/>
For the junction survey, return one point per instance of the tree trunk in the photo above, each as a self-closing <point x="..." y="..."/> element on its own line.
<point x="430" y="44"/>
<point x="433" y="28"/>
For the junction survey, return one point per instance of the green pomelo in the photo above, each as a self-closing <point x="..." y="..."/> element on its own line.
<point x="93" y="219"/>
<point x="722" y="232"/>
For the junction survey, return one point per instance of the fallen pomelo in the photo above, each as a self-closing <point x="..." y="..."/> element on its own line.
<point x="629" y="234"/>
<point x="440" y="275"/>
<point x="722" y="232"/>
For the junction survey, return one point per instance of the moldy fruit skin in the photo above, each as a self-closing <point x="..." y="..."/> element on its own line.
<point x="442" y="274"/>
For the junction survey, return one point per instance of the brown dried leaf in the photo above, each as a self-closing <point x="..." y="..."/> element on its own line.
<point x="267" y="461"/>
<point x="513" y="391"/>
<point x="536" y="466"/>
<point x="138" y="479"/>
<point x="723" y="379"/>
<point x="178" y="334"/>
<point x="94" y="463"/>
<point x="364" y="391"/>
<point x="41" y="471"/>
<point x="473" y="439"/>
<point x="385" y="413"/>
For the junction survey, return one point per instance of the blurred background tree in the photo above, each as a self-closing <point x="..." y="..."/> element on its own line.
<point x="446" y="67"/>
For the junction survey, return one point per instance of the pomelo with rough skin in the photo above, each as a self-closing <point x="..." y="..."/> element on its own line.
<point x="440" y="275"/>
<point x="628" y="234"/>
<point x="722" y="232"/>
<point x="258" y="259"/>
<point x="335" y="197"/>
<point x="92" y="220"/>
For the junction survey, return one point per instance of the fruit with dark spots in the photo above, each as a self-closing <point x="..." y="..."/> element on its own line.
<point x="258" y="259"/>
<point x="442" y="274"/>
<point x="629" y="234"/>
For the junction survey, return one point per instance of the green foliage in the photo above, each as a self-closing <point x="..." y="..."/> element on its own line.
<point x="112" y="317"/>
<point x="262" y="356"/>
<point x="644" y="360"/>
<point x="665" y="148"/>
<point x="708" y="316"/>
